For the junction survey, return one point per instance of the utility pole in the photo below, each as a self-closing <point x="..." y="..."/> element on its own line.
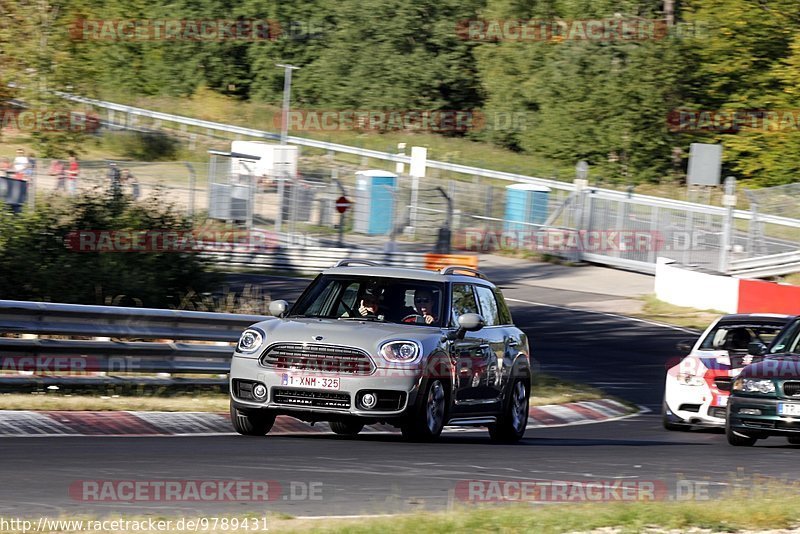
<point x="287" y="90"/>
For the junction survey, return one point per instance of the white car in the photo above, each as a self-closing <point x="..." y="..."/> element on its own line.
<point x="697" y="388"/>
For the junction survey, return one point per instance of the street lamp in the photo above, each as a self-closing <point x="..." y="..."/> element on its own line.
<point x="287" y="89"/>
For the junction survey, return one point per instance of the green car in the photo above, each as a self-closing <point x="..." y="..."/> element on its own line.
<point x="765" y="397"/>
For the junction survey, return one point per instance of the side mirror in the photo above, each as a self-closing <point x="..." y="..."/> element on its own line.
<point x="278" y="308"/>
<point x="724" y="386"/>
<point x="686" y="345"/>
<point x="756" y="348"/>
<point x="470" y="322"/>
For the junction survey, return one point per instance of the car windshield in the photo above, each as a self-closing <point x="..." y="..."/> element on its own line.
<point x="737" y="336"/>
<point x="788" y="340"/>
<point x="393" y="300"/>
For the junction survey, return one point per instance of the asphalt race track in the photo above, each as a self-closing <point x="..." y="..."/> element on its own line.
<point x="380" y="473"/>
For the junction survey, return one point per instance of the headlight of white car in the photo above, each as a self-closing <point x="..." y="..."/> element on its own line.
<point x="687" y="379"/>
<point x="754" y="385"/>
<point x="401" y="351"/>
<point x="250" y="341"/>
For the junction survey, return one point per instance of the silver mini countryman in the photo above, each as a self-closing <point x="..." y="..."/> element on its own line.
<point x="366" y="344"/>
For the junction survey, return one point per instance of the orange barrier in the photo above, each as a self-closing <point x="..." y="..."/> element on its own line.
<point x="437" y="261"/>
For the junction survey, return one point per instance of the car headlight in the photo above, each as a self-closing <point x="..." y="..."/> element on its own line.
<point x="250" y="341"/>
<point x="753" y="385"/>
<point x="400" y="351"/>
<point x="690" y="380"/>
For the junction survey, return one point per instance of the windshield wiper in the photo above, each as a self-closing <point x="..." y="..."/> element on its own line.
<point x="364" y="318"/>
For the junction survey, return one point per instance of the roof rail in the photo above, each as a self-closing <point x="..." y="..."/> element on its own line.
<point x="348" y="262"/>
<point x="451" y="269"/>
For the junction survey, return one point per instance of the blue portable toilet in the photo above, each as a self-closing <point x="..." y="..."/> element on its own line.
<point x="525" y="203"/>
<point x="374" y="202"/>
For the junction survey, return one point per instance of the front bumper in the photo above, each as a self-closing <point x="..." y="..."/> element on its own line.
<point x="768" y="422"/>
<point x="694" y="405"/>
<point x="399" y="384"/>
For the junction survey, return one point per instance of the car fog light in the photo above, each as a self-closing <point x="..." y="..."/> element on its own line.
<point x="369" y="401"/>
<point x="749" y="411"/>
<point x="260" y="392"/>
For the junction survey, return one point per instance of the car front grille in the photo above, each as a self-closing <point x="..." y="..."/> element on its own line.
<point x="317" y="399"/>
<point x="318" y="358"/>
<point x="791" y="389"/>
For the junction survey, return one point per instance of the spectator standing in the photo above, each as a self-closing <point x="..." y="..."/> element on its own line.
<point x="73" y="170"/>
<point x="5" y="167"/>
<point x="21" y="165"/>
<point x="58" y="170"/>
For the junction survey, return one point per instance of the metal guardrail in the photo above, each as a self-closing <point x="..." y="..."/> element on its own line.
<point x="311" y="260"/>
<point x="442" y="165"/>
<point x="41" y="361"/>
<point x="765" y="266"/>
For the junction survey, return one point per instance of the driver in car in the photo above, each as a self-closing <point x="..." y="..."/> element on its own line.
<point x="423" y="307"/>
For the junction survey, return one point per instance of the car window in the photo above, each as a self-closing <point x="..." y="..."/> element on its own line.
<point x="340" y="297"/>
<point x="463" y="302"/>
<point x="788" y="341"/>
<point x="488" y="305"/>
<point x="738" y="335"/>
<point x="502" y="309"/>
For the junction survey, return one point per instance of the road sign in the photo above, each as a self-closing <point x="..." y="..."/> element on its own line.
<point x="342" y="204"/>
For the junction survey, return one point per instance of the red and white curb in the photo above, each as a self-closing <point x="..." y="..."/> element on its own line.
<point x="64" y="423"/>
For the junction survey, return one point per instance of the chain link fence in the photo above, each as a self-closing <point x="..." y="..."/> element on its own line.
<point x="475" y="214"/>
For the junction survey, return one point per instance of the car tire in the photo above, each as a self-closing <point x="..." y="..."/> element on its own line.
<point x="793" y="441"/>
<point x="739" y="440"/>
<point x="255" y="423"/>
<point x="669" y="425"/>
<point x="346" y="428"/>
<point x="511" y="424"/>
<point x="426" y="421"/>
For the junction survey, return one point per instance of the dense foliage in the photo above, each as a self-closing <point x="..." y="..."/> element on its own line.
<point x="40" y="258"/>
<point x="606" y="101"/>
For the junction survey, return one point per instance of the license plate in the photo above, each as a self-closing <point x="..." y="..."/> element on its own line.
<point x="722" y="400"/>
<point x="305" y="381"/>
<point x="788" y="409"/>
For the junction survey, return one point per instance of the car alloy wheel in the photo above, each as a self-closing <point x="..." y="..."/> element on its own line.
<point x="435" y="407"/>
<point x="519" y="407"/>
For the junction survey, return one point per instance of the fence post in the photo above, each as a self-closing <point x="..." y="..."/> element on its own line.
<point x="729" y="201"/>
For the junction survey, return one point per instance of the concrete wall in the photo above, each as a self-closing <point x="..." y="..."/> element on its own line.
<point x="684" y="287"/>
<point x="693" y="289"/>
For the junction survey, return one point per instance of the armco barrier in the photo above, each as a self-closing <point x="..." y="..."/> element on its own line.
<point x="685" y="287"/>
<point x="115" y="344"/>
<point x="312" y="260"/>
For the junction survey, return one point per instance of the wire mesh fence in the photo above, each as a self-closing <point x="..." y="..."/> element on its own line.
<point x="473" y="213"/>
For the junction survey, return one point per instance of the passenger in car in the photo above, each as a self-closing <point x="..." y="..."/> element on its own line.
<point x="369" y="305"/>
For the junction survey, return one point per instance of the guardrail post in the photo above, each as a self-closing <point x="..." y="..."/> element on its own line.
<point x="729" y="201"/>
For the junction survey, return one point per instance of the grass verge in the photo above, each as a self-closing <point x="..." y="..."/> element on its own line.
<point x="732" y="513"/>
<point x="793" y="279"/>
<point x="657" y="310"/>
<point x="546" y="390"/>
<point x="208" y="402"/>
